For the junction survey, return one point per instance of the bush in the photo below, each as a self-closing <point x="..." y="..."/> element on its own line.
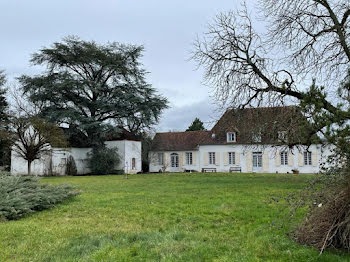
<point x="22" y="195"/>
<point x="103" y="160"/>
<point x="71" y="168"/>
<point x="328" y="225"/>
<point x="327" y="201"/>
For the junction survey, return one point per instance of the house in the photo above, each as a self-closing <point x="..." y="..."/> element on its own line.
<point x="54" y="162"/>
<point x="243" y="140"/>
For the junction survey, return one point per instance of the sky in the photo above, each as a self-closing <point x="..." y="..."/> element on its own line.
<point x="166" y="29"/>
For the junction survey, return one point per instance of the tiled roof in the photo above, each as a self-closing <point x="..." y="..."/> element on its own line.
<point x="266" y="122"/>
<point x="179" y="141"/>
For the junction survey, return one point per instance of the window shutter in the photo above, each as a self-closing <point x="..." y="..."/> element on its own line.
<point x="249" y="162"/>
<point x="226" y="158"/>
<point x="153" y="158"/>
<point x="290" y="159"/>
<point x="314" y="159"/>
<point x="217" y="158"/>
<point x="266" y="162"/>
<point x="237" y="159"/>
<point x="206" y="158"/>
<point x="182" y="159"/>
<point x="166" y="160"/>
<point x="278" y="158"/>
<point x="194" y="158"/>
<point x="301" y="159"/>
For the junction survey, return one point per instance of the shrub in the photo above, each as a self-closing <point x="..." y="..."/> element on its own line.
<point x="22" y="195"/>
<point x="103" y="160"/>
<point x="71" y="168"/>
<point x="327" y="201"/>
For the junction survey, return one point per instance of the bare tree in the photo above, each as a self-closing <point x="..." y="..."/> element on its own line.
<point x="33" y="137"/>
<point x="245" y="69"/>
<point x="305" y="39"/>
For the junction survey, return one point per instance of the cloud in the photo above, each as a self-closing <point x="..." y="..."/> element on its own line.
<point x="178" y="118"/>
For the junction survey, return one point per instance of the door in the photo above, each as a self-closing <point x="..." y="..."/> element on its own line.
<point x="257" y="162"/>
<point x="174" y="162"/>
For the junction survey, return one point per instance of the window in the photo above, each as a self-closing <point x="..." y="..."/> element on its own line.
<point x="189" y="158"/>
<point x="174" y="160"/>
<point x="256" y="138"/>
<point x="282" y="136"/>
<point x="231" y="158"/>
<point x="257" y="160"/>
<point x="133" y="163"/>
<point x="231" y="137"/>
<point x="160" y="159"/>
<point x="211" y="158"/>
<point x="307" y="158"/>
<point x="284" y="158"/>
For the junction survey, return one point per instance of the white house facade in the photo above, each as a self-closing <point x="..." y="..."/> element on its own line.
<point x="242" y="158"/>
<point x="55" y="161"/>
<point x="233" y="147"/>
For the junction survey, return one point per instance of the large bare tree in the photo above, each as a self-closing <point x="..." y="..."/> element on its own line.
<point x="303" y="40"/>
<point x="301" y="57"/>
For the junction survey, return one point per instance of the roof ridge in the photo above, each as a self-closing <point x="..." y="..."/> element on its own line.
<point x="177" y="132"/>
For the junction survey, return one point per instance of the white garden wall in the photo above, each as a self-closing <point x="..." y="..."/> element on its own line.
<point x="54" y="162"/>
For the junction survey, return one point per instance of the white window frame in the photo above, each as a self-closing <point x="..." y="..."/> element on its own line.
<point x="231" y="136"/>
<point x="307" y="158"/>
<point x="282" y="136"/>
<point x="189" y="158"/>
<point x="160" y="159"/>
<point x="256" y="138"/>
<point x="211" y="157"/>
<point x="284" y="158"/>
<point x="174" y="160"/>
<point x="231" y="158"/>
<point x="133" y="163"/>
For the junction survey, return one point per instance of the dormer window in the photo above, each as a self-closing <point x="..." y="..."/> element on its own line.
<point x="282" y="136"/>
<point x="231" y="136"/>
<point x="256" y="138"/>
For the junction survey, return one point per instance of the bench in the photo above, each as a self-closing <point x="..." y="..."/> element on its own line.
<point x="205" y="170"/>
<point x="235" y="169"/>
<point x="190" y="171"/>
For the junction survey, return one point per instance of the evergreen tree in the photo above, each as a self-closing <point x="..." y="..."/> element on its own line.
<point x="93" y="88"/>
<point x="4" y="118"/>
<point x="196" y="125"/>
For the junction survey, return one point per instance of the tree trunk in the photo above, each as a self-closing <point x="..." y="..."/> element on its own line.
<point x="29" y="167"/>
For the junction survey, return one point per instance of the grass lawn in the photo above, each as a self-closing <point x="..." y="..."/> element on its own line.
<point x="162" y="217"/>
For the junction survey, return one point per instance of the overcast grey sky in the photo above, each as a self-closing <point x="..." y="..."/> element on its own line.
<point x="167" y="30"/>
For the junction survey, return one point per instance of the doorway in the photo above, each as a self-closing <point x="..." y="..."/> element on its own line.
<point x="257" y="162"/>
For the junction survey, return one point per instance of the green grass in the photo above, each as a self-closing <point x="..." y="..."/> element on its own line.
<point x="162" y="217"/>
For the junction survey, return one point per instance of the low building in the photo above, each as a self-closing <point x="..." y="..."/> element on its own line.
<point x="243" y="140"/>
<point x="55" y="161"/>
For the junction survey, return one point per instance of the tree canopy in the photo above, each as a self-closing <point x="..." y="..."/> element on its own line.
<point x="5" y="144"/>
<point x="304" y="40"/>
<point x="93" y="88"/>
<point x="196" y="125"/>
<point x="3" y="101"/>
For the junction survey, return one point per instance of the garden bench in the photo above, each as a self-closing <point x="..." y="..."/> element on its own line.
<point x="235" y="169"/>
<point x="205" y="170"/>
